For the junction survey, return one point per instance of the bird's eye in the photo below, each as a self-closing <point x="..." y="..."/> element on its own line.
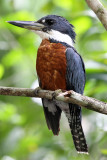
<point x="50" y="21"/>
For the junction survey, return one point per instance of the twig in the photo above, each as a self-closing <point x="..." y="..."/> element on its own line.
<point x="99" y="10"/>
<point x="67" y="96"/>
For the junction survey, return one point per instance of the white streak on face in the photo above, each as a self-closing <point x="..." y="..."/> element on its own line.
<point x="56" y="35"/>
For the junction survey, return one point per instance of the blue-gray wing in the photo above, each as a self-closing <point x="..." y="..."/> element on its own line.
<point x="75" y="73"/>
<point x="75" y="80"/>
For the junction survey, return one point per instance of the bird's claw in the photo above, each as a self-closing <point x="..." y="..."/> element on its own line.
<point x="37" y="90"/>
<point x="56" y="92"/>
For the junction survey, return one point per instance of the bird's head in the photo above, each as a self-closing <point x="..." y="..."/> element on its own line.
<point x="52" y="27"/>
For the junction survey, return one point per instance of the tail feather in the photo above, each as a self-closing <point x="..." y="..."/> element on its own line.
<point x="52" y="115"/>
<point x="76" y="129"/>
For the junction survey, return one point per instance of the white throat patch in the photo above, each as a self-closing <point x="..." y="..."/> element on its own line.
<point x="55" y="35"/>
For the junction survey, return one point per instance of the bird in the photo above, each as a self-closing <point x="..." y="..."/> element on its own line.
<point x="59" y="66"/>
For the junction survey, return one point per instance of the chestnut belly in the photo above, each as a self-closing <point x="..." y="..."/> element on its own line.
<point x="51" y="65"/>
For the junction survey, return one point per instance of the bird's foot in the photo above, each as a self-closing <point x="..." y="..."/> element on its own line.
<point x="37" y="90"/>
<point x="56" y="93"/>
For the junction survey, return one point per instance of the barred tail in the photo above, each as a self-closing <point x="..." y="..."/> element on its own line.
<point x="76" y="129"/>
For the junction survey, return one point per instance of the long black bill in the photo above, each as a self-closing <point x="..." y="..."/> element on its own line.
<point x="31" y="25"/>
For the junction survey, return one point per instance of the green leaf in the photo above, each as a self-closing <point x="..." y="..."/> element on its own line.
<point x="104" y="151"/>
<point x="1" y="71"/>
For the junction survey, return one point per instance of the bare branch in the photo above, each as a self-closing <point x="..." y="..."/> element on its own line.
<point x="67" y="96"/>
<point x="99" y="10"/>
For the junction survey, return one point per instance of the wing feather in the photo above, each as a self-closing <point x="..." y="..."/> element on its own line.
<point x="75" y="79"/>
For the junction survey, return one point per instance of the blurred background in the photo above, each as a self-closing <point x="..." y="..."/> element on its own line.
<point x="23" y="131"/>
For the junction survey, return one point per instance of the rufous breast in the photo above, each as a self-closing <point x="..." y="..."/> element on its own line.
<point x="51" y="65"/>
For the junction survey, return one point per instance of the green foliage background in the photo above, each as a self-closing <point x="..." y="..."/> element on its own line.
<point x="23" y="131"/>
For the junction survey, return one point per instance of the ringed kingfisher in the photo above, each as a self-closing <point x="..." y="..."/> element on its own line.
<point x="59" y="66"/>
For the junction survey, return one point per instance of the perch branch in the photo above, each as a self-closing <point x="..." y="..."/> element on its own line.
<point x="99" y="10"/>
<point x="67" y="96"/>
